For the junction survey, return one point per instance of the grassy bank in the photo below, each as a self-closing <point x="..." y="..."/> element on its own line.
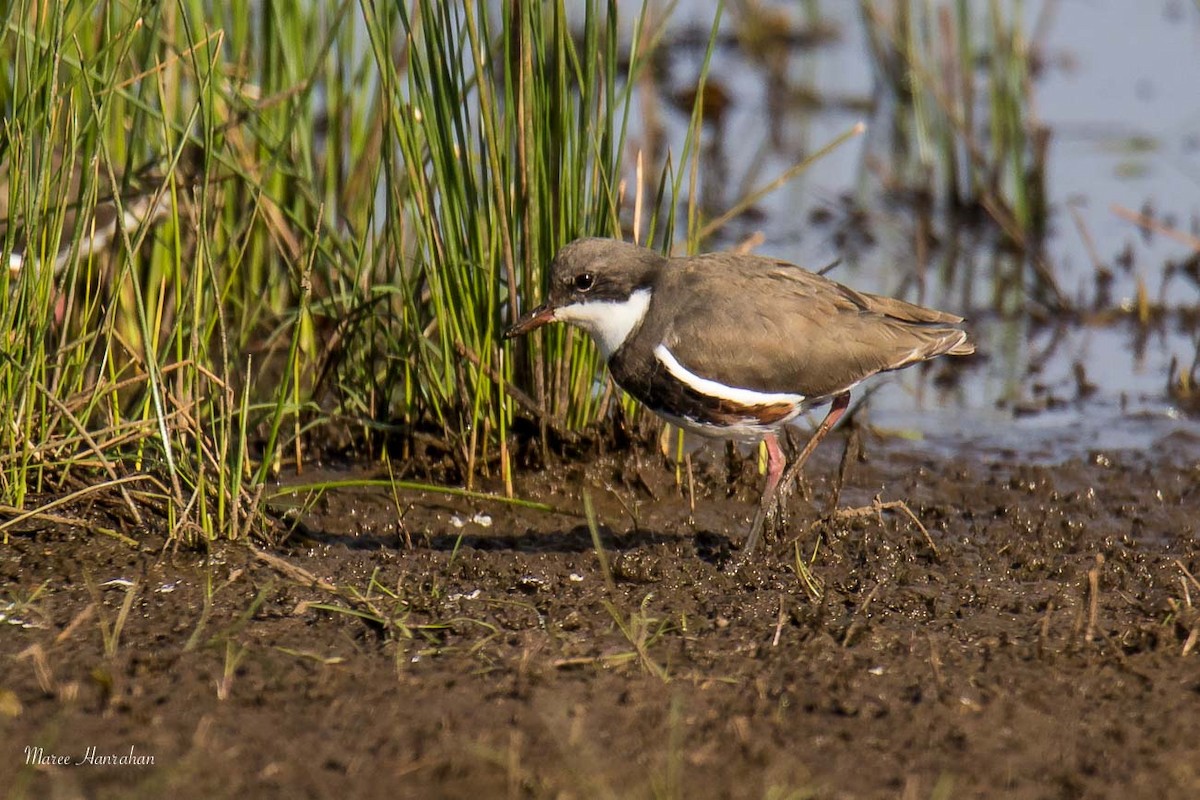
<point x="330" y="214"/>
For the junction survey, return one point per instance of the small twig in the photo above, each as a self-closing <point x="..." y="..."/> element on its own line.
<point x="1143" y="221"/>
<point x="779" y="623"/>
<point x="639" y="186"/>
<point x="594" y="529"/>
<point x="903" y="506"/>
<point x="42" y="512"/>
<point x="1189" y="575"/>
<point x="1193" y="637"/>
<point x="850" y="454"/>
<point x="83" y="616"/>
<point x="877" y="507"/>
<point x="1089" y="244"/>
<point x="1044" y="632"/>
<point x="1002" y="216"/>
<point x="1089" y="633"/>
<point x="750" y="243"/>
<point x="578" y="661"/>
<point x="758" y="194"/>
<point x="523" y="400"/>
<point x="56" y="519"/>
<point x="292" y="571"/>
<point x="860" y="615"/>
<point x="935" y="663"/>
<point x="691" y="485"/>
<point x="95" y="448"/>
<point x="41" y="667"/>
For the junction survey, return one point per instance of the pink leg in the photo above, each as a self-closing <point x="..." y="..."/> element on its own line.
<point x="775" y="464"/>
<point x="840" y="404"/>
<point x="776" y="461"/>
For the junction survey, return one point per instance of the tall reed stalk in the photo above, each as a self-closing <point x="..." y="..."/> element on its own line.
<point x="509" y="136"/>
<point x="330" y="213"/>
<point x="959" y="78"/>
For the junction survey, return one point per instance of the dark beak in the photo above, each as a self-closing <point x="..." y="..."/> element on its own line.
<point x="534" y="319"/>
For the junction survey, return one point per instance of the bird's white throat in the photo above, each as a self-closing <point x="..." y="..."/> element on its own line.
<point x="609" y="322"/>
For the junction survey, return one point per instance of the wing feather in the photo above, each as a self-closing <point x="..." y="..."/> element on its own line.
<point x="801" y="332"/>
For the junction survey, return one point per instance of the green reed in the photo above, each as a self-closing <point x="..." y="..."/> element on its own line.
<point x="180" y="351"/>
<point x="510" y="133"/>
<point x="334" y="210"/>
<point x="958" y="75"/>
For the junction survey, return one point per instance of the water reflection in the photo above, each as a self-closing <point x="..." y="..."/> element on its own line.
<point x="1086" y="360"/>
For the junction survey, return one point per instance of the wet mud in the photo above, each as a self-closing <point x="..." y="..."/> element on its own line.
<point x="1037" y="639"/>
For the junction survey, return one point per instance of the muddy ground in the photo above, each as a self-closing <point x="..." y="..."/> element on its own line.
<point x="1047" y="648"/>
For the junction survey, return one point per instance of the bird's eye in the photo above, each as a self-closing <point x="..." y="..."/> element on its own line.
<point x="584" y="282"/>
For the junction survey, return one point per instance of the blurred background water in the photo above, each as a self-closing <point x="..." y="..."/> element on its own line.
<point x="1115" y="83"/>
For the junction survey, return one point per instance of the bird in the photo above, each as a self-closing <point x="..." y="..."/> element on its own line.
<point x="736" y="346"/>
<point x="143" y="198"/>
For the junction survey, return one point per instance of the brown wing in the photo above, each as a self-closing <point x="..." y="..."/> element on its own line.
<point x="774" y="327"/>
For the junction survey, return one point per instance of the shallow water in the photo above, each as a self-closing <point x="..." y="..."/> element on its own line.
<point x="1118" y="92"/>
